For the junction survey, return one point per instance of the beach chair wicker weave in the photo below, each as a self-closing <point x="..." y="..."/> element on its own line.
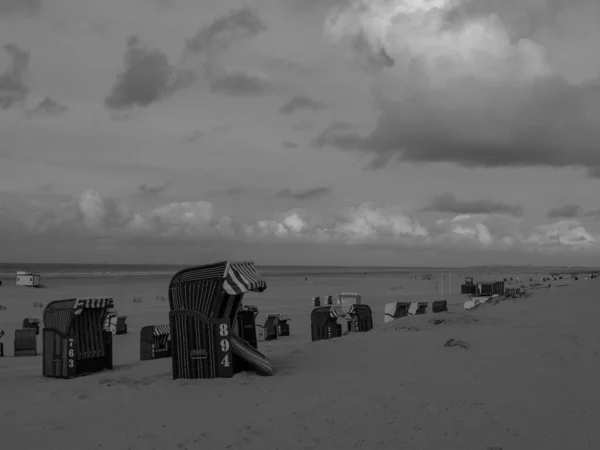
<point x="204" y="302"/>
<point x="74" y="339"/>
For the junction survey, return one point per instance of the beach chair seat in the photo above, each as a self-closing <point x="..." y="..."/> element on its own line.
<point x="439" y="306"/>
<point x="74" y="337"/>
<point x="323" y="324"/>
<point x="25" y="342"/>
<point x="155" y="342"/>
<point x="204" y="302"/>
<point x="32" y="323"/>
<point x="271" y="327"/>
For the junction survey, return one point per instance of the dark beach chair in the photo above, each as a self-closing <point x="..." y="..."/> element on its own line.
<point x="121" y="325"/>
<point x="361" y="319"/>
<point x="34" y="324"/>
<point x="155" y="342"/>
<point x="323" y="325"/>
<point x="204" y="302"/>
<point x="25" y="342"/>
<point x="439" y="306"/>
<point x="283" y="327"/>
<point x="74" y="337"/>
<point x="271" y="327"/>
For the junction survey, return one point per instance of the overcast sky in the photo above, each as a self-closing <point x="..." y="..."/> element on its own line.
<point x="381" y="132"/>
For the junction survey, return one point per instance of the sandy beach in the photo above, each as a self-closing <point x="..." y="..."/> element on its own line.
<point x="527" y="379"/>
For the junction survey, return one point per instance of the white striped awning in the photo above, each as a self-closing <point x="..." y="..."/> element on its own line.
<point x="92" y="302"/>
<point x="242" y="277"/>
<point x="160" y="330"/>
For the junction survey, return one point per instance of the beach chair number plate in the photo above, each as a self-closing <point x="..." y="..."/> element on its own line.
<point x="223" y="351"/>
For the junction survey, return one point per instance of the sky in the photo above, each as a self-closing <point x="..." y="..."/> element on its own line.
<point x="342" y="132"/>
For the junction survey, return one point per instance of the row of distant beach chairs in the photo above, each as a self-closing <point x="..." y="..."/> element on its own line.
<point x="211" y="334"/>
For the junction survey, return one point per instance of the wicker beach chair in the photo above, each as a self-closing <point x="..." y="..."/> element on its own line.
<point x="74" y="337"/>
<point x="32" y="323"/>
<point x="204" y="302"/>
<point x="155" y="342"/>
<point x="25" y="342"/>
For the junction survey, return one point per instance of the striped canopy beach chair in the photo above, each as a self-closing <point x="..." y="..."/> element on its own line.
<point x="74" y="339"/>
<point x="204" y="303"/>
<point x="155" y="342"/>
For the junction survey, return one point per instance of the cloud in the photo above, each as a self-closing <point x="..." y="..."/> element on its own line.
<point x="216" y="38"/>
<point x="569" y="211"/>
<point x="19" y="7"/>
<point x="289" y="144"/>
<point x="102" y="220"/>
<point x="13" y="88"/>
<point x="147" y="190"/>
<point x="147" y="78"/>
<point x="464" y="91"/>
<point x="308" y="194"/>
<point x="96" y="215"/>
<point x="300" y="102"/>
<point x="447" y="203"/>
<point x="47" y="107"/>
<point x="240" y="83"/>
<point x="362" y="224"/>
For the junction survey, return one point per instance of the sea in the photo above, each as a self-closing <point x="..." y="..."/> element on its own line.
<point x="71" y="270"/>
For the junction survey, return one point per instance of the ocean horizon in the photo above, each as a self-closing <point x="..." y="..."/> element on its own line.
<point x="8" y="270"/>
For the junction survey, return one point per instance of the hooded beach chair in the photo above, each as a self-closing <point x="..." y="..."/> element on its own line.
<point x="417" y="308"/>
<point x="25" y="342"/>
<point x="155" y="342"/>
<point x="1" y="343"/>
<point x="283" y="327"/>
<point x="395" y="310"/>
<point x="34" y="324"/>
<point x="361" y="319"/>
<point x="323" y="324"/>
<point x="204" y="302"/>
<point x="74" y="337"/>
<point x="439" y="306"/>
<point x="271" y="327"/>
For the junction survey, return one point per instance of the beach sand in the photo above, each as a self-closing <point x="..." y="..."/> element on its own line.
<point x="526" y="381"/>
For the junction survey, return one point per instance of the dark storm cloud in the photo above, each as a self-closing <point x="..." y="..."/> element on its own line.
<point x="545" y="123"/>
<point x="13" y="88"/>
<point x="448" y="203"/>
<point x="569" y="211"/>
<point x="298" y="103"/>
<point x="147" y="78"/>
<point x="19" y="7"/>
<point x="308" y="194"/>
<point x="47" y="107"/>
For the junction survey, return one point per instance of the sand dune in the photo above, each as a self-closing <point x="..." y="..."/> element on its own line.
<point x="526" y="380"/>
